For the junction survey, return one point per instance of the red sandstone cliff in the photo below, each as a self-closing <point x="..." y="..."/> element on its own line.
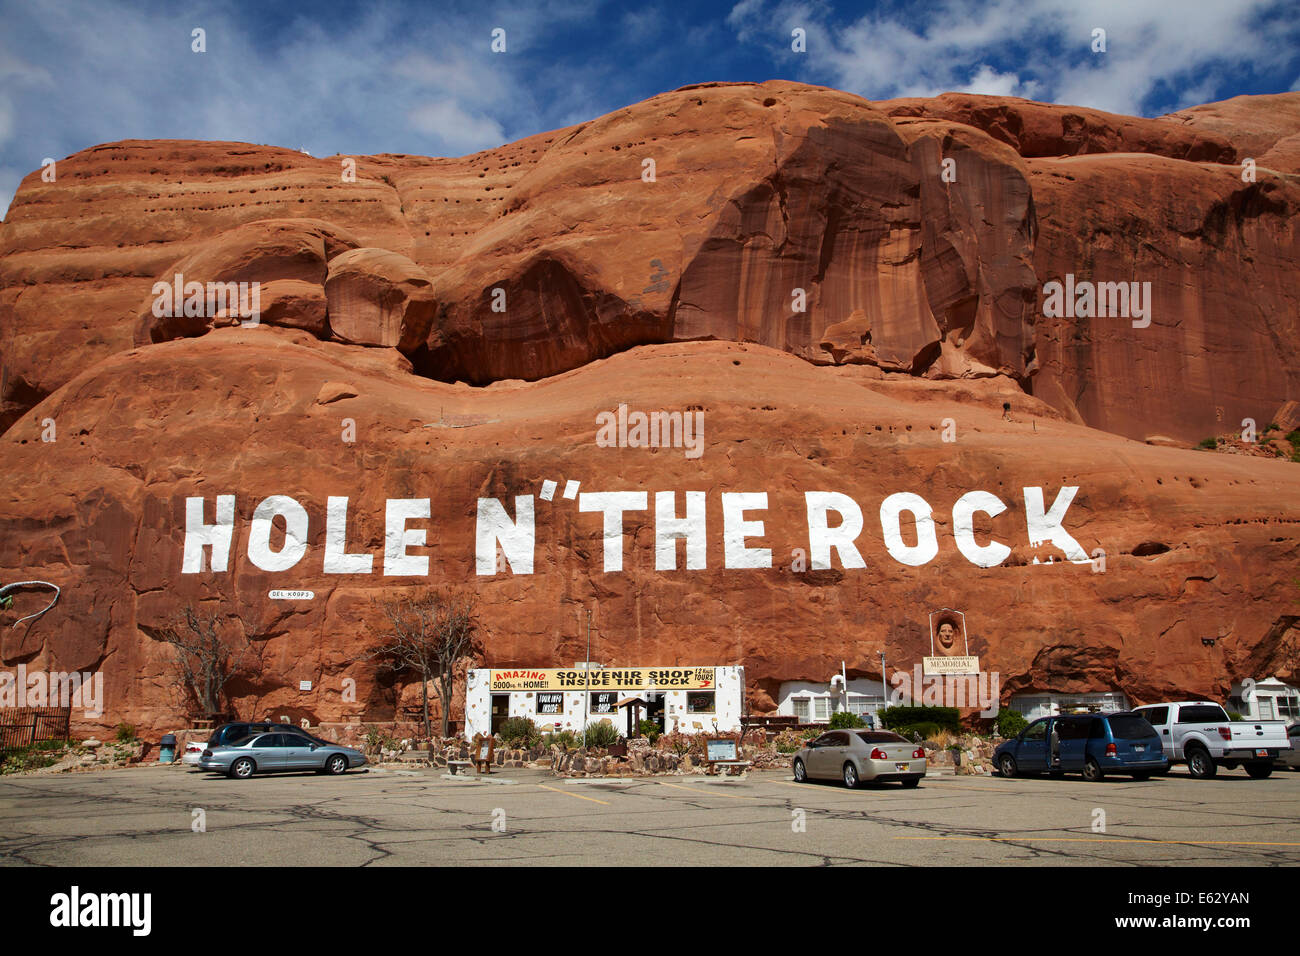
<point x="923" y="302"/>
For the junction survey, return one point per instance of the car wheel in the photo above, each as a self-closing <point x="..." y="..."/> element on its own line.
<point x="912" y="782"/>
<point x="1259" y="771"/>
<point x="1007" y="766"/>
<point x="850" y="776"/>
<point x="1092" y="771"/>
<point x="242" y="768"/>
<point x="800" y="772"/>
<point x="1142" y="775"/>
<point x="1200" y="764"/>
<point x="336" y="764"/>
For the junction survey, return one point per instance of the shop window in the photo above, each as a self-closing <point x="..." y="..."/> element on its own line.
<point x="1288" y="706"/>
<point x="604" y="702"/>
<point x="699" y="702"/>
<point x="550" y="703"/>
<point x="821" y="709"/>
<point x="800" y="709"/>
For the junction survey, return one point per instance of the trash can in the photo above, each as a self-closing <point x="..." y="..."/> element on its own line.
<point x="167" y="749"/>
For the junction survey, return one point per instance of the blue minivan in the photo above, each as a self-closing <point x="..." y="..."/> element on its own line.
<point x="1091" y="744"/>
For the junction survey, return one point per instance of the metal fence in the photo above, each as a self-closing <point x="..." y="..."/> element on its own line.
<point x="23" y="726"/>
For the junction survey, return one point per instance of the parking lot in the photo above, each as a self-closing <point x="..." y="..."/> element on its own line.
<point x="171" y="816"/>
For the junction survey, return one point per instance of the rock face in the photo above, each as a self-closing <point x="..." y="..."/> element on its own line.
<point x="834" y="285"/>
<point x="376" y="297"/>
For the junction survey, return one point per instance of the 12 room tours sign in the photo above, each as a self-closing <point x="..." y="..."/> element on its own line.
<point x="618" y="678"/>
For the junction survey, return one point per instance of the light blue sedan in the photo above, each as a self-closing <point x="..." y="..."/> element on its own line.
<point x="280" y="753"/>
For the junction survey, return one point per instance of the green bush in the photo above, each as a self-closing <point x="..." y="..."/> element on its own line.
<point x="1233" y="715"/>
<point x="650" y="730"/>
<point x="519" y="732"/>
<point x="1294" y="438"/>
<point x="602" y="734"/>
<point x="843" y="720"/>
<point x="812" y="732"/>
<point x="43" y="753"/>
<point x="1209" y="444"/>
<point x="125" y="733"/>
<point x="916" y="717"/>
<point x="564" y="739"/>
<point x="1011" y="722"/>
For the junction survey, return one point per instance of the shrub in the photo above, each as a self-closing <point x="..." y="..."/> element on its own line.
<point x="683" y="744"/>
<point x="1011" y="722"/>
<point x="650" y="730"/>
<point x="125" y="733"/>
<point x="519" y="732"/>
<point x="1294" y="438"/>
<point x="918" y="717"/>
<point x="812" y="732"/>
<point x="1233" y="715"/>
<point x="1209" y="444"/>
<point x="926" y="730"/>
<point x="788" y="742"/>
<point x="843" y="720"/>
<point x="602" y="734"/>
<point x="32" y="757"/>
<point x="564" y="739"/>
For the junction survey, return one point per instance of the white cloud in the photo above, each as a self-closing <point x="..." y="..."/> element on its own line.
<point x="989" y="82"/>
<point x="1152" y="48"/>
<point x="405" y="79"/>
<point x="461" y="131"/>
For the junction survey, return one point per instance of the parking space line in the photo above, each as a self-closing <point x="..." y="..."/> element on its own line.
<point x="576" y="795"/>
<point x="705" y="793"/>
<point x="1034" y="839"/>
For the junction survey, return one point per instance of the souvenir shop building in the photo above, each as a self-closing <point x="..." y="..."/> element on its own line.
<point x="677" y="698"/>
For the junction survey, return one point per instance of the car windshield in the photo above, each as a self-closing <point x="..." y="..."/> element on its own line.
<point x="1130" y="728"/>
<point x="880" y="737"/>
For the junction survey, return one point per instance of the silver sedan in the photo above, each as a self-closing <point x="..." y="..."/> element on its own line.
<point x="858" y="756"/>
<point x="279" y="753"/>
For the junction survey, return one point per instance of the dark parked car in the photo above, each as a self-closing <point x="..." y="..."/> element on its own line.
<point x="1091" y="744"/>
<point x="229" y="733"/>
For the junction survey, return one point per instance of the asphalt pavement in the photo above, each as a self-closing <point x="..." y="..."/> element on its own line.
<point x="180" y="817"/>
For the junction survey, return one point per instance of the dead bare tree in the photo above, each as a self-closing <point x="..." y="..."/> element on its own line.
<point x="430" y="632"/>
<point x="205" y="661"/>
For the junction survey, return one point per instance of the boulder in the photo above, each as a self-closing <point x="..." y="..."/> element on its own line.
<point x="377" y="297"/>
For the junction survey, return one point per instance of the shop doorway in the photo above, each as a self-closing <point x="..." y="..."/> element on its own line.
<point x="654" y="709"/>
<point x="500" y="710"/>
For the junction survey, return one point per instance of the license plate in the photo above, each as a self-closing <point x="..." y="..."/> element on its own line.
<point x="1261" y="753"/>
<point x="1138" y="748"/>
<point x="901" y="766"/>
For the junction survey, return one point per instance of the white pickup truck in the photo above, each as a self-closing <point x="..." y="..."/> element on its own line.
<point x="1199" y="734"/>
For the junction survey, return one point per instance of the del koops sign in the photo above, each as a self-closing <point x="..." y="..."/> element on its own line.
<point x="835" y="522"/>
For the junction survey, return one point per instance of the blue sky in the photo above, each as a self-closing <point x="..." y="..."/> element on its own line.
<point x="368" y="77"/>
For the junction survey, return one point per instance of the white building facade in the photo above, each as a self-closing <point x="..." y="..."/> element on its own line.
<point x="811" y="702"/>
<point x="1033" y="706"/>
<point x="1268" y="699"/>
<point x="678" y="699"/>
